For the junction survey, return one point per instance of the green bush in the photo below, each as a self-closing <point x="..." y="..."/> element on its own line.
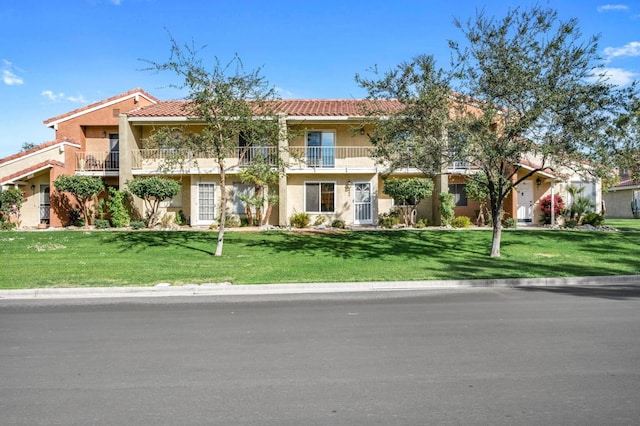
<point x="300" y="220"/>
<point x="232" y="221"/>
<point x="320" y="219"/>
<point x="593" y="219"/>
<point x="510" y="223"/>
<point x="423" y="222"/>
<point x="101" y="223"/>
<point x="7" y="226"/>
<point x="461" y="222"/>
<point x="138" y="224"/>
<point x="571" y="223"/>
<point x="446" y="208"/>
<point x="181" y="219"/>
<point x="338" y="223"/>
<point x="117" y="209"/>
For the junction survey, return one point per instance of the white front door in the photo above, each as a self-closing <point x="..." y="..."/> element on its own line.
<point x="45" y="204"/>
<point x="362" y="204"/>
<point x="525" y="201"/>
<point x="206" y="203"/>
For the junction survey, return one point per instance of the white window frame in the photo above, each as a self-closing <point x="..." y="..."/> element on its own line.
<point x="197" y="215"/>
<point x="320" y="182"/>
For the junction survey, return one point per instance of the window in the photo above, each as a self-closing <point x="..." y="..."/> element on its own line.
<point x="248" y="151"/>
<point x="240" y="189"/>
<point x="319" y="197"/>
<point x="321" y="149"/>
<point x="459" y="194"/>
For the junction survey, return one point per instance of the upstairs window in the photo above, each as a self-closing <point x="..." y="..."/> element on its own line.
<point x="321" y="149"/>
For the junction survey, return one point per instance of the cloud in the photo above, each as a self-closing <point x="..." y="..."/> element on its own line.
<point x="284" y="93"/>
<point x="629" y="49"/>
<point x="609" y="7"/>
<point x="56" y="97"/>
<point x="615" y="76"/>
<point x="8" y="76"/>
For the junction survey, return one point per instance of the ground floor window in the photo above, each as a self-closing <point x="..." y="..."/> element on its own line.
<point x="459" y="194"/>
<point x="319" y="197"/>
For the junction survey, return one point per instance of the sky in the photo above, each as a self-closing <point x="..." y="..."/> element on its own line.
<point x="59" y="55"/>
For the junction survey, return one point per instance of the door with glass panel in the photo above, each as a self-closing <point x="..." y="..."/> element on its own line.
<point x="206" y="202"/>
<point x="320" y="149"/>
<point x="362" y="205"/>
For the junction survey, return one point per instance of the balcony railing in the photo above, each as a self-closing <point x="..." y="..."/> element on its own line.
<point x="97" y="161"/>
<point x="173" y="159"/>
<point x="330" y="156"/>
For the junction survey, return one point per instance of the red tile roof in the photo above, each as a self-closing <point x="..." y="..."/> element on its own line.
<point x="97" y="104"/>
<point x="28" y="170"/>
<point x="628" y="182"/>
<point x="290" y="107"/>
<point x="35" y="149"/>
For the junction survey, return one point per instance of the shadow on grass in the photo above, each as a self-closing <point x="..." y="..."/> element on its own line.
<point x="612" y="292"/>
<point x="138" y="241"/>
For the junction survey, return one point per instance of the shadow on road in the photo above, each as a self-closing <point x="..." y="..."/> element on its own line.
<point x="612" y="292"/>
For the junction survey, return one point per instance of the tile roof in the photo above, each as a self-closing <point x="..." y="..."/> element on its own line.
<point x="36" y="149"/>
<point x="290" y="107"/>
<point x="628" y="182"/>
<point x="99" y="103"/>
<point x="29" y="170"/>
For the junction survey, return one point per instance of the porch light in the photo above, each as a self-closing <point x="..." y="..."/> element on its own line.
<point x="33" y="189"/>
<point x="347" y="187"/>
<point x="538" y="181"/>
<point x="362" y="131"/>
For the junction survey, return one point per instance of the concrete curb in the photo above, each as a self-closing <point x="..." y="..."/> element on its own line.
<point x="226" y="289"/>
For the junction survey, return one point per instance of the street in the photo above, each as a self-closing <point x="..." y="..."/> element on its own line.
<point x="535" y="356"/>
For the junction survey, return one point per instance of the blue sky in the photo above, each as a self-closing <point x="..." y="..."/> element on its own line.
<point x="58" y="55"/>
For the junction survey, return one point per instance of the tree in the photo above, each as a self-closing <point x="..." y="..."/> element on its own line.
<point x="153" y="190"/>
<point x="408" y="193"/>
<point x="27" y="146"/>
<point x="415" y="134"/>
<point x="11" y="201"/>
<point x="264" y="178"/>
<point x="84" y="188"/>
<point x="539" y="100"/>
<point x="229" y="102"/>
<point x="476" y="189"/>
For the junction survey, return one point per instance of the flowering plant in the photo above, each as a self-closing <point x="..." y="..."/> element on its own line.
<point x="558" y="205"/>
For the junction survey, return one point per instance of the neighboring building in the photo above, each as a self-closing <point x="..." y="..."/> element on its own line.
<point x="329" y="170"/>
<point x="623" y="200"/>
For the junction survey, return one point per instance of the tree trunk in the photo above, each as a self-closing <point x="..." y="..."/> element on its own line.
<point x="496" y="221"/>
<point x="223" y="208"/>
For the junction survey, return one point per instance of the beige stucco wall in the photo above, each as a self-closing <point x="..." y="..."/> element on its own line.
<point x="618" y="203"/>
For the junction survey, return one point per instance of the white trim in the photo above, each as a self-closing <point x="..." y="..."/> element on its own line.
<point x="100" y="106"/>
<point x="31" y="172"/>
<point x="335" y="195"/>
<point x="47" y="148"/>
<point x="197" y="203"/>
<point x="142" y="120"/>
<point x="353" y="202"/>
<point x="541" y="172"/>
<point x="623" y="188"/>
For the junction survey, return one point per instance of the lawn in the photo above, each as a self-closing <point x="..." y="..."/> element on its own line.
<point x="110" y="258"/>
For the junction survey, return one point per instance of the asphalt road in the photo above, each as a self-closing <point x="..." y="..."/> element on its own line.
<point x="553" y="356"/>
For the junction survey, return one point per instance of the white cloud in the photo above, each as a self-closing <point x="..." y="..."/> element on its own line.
<point x="616" y="76"/>
<point x="284" y="93"/>
<point x="56" y="97"/>
<point x="608" y="7"/>
<point x="8" y="76"/>
<point x="629" y="49"/>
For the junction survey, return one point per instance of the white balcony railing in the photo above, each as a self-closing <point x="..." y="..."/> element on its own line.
<point x="97" y="161"/>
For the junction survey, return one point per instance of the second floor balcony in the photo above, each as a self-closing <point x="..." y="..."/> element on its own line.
<point x="98" y="161"/>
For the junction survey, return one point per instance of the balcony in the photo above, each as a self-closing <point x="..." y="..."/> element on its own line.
<point x="98" y="161"/>
<point x="331" y="157"/>
<point x="185" y="160"/>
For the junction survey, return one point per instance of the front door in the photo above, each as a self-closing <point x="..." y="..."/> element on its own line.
<point x="45" y="204"/>
<point x="525" y="201"/>
<point x="206" y="203"/>
<point x="362" y="204"/>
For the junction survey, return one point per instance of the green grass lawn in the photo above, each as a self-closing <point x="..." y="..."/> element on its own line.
<point x="109" y="258"/>
<point x="627" y="225"/>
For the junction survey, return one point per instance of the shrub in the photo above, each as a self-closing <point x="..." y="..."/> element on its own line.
<point x="423" y="222"/>
<point x="593" y="219"/>
<point x="320" y="219"/>
<point x="181" y="219"/>
<point x="571" y="223"/>
<point x="461" y="222"/>
<point x="153" y="190"/>
<point x="446" y="208"/>
<point x="101" y="223"/>
<point x="338" y="223"/>
<point x="116" y="207"/>
<point x="510" y="223"/>
<point x="138" y="224"/>
<point x="545" y="206"/>
<point x="300" y="220"/>
<point x="7" y="226"/>
<point x="232" y="221"/>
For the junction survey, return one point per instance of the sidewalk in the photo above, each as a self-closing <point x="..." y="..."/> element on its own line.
<point x="227" y="289"/>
